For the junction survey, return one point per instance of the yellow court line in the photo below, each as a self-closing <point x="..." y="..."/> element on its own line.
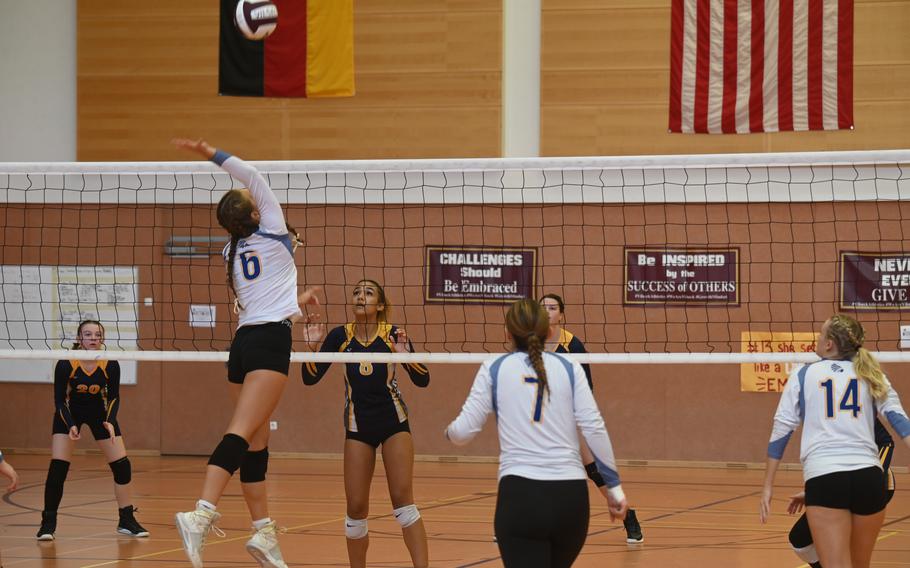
<point x="227" y="540"/>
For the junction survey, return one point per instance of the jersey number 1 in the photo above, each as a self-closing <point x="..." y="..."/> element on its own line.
<point x="849" y="402"/>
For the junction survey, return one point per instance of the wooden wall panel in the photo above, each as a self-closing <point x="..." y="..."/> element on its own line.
<point x="426" y="87"/>
<point x="605" y="84"/>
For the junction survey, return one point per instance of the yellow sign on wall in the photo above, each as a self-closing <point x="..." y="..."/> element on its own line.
<point x="771" y="377"/>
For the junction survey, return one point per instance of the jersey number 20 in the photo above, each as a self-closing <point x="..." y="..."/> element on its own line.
<point x="849" y="402"/>
<point x="251" y="266"/>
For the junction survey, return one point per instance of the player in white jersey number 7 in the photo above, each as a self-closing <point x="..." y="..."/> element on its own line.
<point x="541" y="400"/>
<point x="836" y="400"/>
<point x="263" y="276"/>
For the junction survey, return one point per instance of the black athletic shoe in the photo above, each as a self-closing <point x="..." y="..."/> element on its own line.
<point x="128" y="524"/>
<point x="633" y="529"/>
<point x="48" y="525"/>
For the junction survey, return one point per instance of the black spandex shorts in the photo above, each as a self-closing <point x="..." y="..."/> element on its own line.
<point x="377" y="436"/>
<point x="92" y="418"/>
<point x="541" y="523"/>
<point x="862" y="491"/>
<point x="260" y="347"/>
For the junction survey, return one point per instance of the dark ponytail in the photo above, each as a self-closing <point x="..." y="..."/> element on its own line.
<point x="528" y="323"/>
<point x="235" y="215"/>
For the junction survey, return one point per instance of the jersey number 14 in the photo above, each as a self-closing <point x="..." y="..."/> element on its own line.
<point x="849" y="402"/>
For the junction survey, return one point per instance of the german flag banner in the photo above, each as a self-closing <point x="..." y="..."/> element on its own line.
<point x="310" y="53"/>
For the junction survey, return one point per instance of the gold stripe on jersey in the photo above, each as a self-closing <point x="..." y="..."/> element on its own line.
<point x="565" y="338"/>
<point x="76" y="364"/>
<point x="349" y="418"/>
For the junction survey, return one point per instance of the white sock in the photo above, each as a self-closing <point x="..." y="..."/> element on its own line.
<point x="203" y="504"/>
<point x="261" y="523"/>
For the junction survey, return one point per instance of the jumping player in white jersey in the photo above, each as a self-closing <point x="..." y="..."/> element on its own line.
<point x="263" y="276"/>
<point x="540" y="400"/>
<point x="836" y="399"/>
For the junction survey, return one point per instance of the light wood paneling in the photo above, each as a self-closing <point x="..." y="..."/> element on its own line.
<point x="426" y="87"/>
<point x="605" y="84"/>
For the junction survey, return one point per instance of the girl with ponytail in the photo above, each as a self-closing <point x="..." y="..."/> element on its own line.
<point x="541" y="400"/>
<point x="262" y="276"/>
<point x="836" y="400"/>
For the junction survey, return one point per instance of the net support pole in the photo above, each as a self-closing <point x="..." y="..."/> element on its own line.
<point x="521" y="78"/>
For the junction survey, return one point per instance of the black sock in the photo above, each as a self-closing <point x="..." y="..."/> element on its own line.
<point x="53" y="486"/>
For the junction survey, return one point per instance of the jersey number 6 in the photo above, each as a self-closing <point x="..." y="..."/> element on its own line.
<point x="251" y="266"/>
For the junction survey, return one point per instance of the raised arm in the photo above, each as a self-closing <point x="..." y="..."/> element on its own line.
<point x="312" y="373"/>
<point x="418" y="373"/>
<point x="271" y="217"/>
<point x="476" y="409"/>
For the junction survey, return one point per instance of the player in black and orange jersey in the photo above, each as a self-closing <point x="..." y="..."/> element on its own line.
<point x="563" y="341"/>
<point x="87" y="392"/>
<point x="801" y="537"/>
<point x="374" y="415"/>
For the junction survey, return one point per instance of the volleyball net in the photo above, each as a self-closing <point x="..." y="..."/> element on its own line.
<point x="707" y="258"/>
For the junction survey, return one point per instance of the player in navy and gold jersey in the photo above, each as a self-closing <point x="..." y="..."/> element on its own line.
<point x="374" y="415"/>
<point x="563" y="341"/>
<point x="87" y="392"/>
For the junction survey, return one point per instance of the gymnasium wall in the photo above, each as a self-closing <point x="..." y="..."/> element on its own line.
<point x="428" y="78"/>
<point x="657" y="412"/>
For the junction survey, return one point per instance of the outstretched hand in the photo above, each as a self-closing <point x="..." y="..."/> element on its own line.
<point x="401" y="341"/>
<point x="309" y="297"/>
<point x="198" y="146"/>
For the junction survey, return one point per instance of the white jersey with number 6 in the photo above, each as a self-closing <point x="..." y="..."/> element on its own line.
<point x="265" y="276"/>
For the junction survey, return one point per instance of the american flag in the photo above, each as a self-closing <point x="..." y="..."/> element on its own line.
<point x="739" y="66"/>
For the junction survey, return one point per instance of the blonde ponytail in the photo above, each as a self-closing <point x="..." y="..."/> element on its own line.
<point x="849" y="335"/>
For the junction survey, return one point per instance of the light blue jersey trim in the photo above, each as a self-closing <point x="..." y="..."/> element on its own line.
<point x="802" y="392"/>
<point x="494" y="379"/>
<point x="220" y="157"/>
<point x="899" y="422"/>
<point x="568" y="365"/>
<point x="611" y="476"/>
<point x="777" y="447"/>
<point x="284" y="239"/>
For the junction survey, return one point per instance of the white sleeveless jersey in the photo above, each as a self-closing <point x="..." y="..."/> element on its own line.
<point x="265" y="276"/>
<point x="538" y="433"/>
<point x="838" y="412"/>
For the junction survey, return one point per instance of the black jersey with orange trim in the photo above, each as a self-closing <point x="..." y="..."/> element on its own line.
<point x="569" y="343"/>
<point x="76" y="389"/>
<point x="372" y="398"/>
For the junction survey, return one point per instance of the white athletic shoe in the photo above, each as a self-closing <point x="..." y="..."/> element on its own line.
<point x="263" y="546"/>
<point x="193" y="527"/>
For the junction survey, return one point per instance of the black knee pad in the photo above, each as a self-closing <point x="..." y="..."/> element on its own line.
<point x="800" y="535"/>
<point x="229" y="453"/>
<point x="595" y="475"/>
<point x="254" y="466"/>
<point x="122" y="470"/>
